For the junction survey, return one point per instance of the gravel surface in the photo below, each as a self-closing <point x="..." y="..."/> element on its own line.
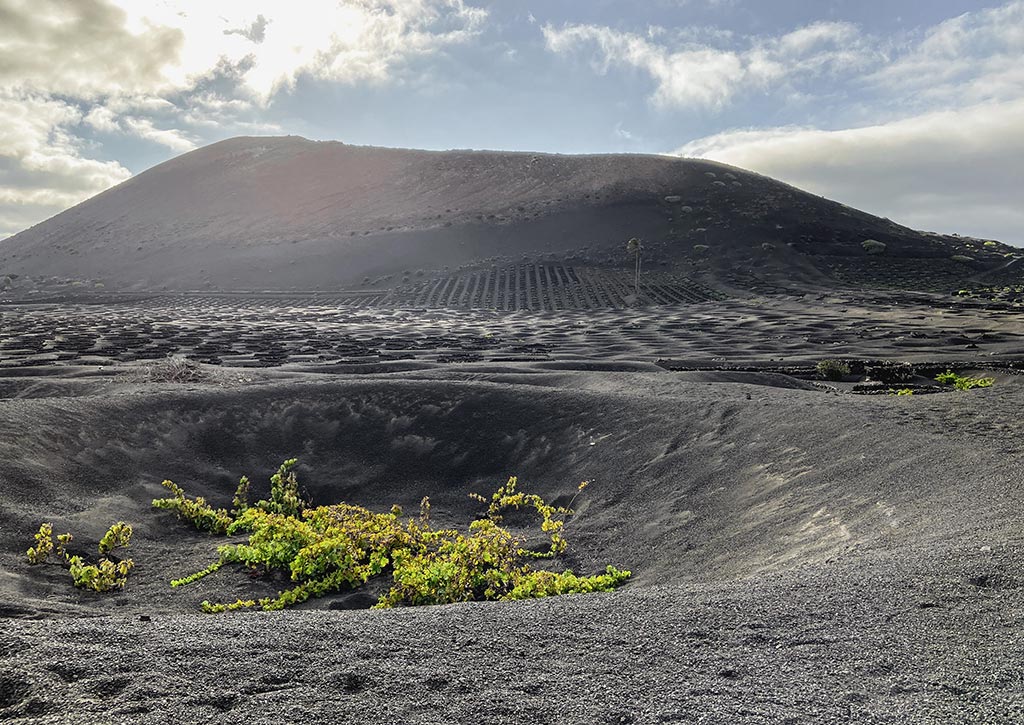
<point x="891" y="638"/>
<point x="800" y="554"/>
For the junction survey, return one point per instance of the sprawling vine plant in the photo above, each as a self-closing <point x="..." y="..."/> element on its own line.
<point x="324" y="549"/>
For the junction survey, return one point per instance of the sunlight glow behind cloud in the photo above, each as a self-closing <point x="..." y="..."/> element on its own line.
<point x="348" y="42"/>
<point x="145" y="70"/>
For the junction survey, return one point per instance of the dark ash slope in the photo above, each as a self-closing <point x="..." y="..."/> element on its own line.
<point x="287" y="213"/>
<point x="798" y="555"/>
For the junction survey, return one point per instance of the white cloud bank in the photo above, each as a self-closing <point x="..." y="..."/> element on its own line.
<point x="948" y="171"/>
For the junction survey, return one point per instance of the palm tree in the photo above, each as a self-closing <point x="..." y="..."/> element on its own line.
<point x="635" y="246"/>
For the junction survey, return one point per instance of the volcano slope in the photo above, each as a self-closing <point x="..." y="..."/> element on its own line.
<point x="472" y="228"/>
<point x="802" y="550"/>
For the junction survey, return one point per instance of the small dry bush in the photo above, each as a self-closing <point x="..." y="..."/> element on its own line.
<point x="175" y="369"/>
<point x="324" y="549"/>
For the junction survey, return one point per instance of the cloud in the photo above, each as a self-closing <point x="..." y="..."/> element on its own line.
<point x="42" y="166"/>
<point x="174" y="72"/>
<point x="623" y="133"/>
<point x="704" y="76"/>
<point x="57" y="59"/>
<point x="975" y="57"/>
<point x="953" y="170"/>
<point x="82" y="49"/>
<point x="927" y="127"/>
<point x="102" y="119"/>
<point x="690" y="73"/>
<point x="171" y="138"/>
<point x="345" y="41"/>
<point x="105" y="120"/>
<point x="256" y="32"/>
<point x="96" y="49"/>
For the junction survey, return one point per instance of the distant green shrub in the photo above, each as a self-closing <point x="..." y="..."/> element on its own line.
<point x="964" y="382"/>
<point x="106" y="574"/>
<point x="901" y="391"/>
<point x="327" y="548"/>
<point x="990" y="243"/>
<point x="832" y="369"/>
<point x="873" y="246"/>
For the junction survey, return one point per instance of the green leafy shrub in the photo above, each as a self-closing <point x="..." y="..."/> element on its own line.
<point x="199" y="513"/>
<point x="44" y="545"/>
<point x="284" y="499"/>
<point x="106" y="574"/>
<point x="118" y="536"/>
<point x="197" y="576"/>
<point x="547" y="583"/>
<point x="325" y="549"/>
<point x="241" y="500"/>
<point x="102" y="576"/>
<point x="902" y="391"/>
<point x="964" y="382"/>
<point x="284" y="492"/>
<point x="552" y="518"/>
<point x="832" y="369"/>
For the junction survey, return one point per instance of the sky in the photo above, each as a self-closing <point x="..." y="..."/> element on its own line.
<point x="907" y="109"/>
